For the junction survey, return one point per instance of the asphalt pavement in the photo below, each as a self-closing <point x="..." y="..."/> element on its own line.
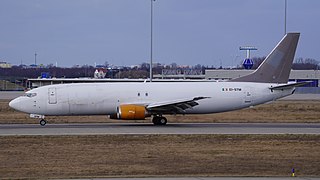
<point x="148" y="128"/>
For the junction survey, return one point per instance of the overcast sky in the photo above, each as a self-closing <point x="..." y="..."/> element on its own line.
<point x="187" y="32"/>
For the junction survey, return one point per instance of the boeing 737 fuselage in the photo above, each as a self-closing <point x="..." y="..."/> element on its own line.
<point x="134" y="101"/>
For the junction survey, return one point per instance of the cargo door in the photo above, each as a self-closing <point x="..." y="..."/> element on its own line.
<point x="52" y="94"/>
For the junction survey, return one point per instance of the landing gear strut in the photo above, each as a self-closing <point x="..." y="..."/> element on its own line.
<point x="159" y="120"/>
<point x="43" y="122"/>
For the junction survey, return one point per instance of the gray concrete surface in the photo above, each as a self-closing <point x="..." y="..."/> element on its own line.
<point x="8" y="95"/>
<point x="148" y="128"/>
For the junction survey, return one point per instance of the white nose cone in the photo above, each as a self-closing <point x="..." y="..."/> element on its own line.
<point x="15" y="104"/>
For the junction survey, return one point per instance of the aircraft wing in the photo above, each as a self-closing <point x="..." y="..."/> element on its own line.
<point x="291" y="85"/>
<point x="175" y="106"/>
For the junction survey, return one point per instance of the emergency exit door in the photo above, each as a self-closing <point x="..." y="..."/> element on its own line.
<point x="52" y="94"/>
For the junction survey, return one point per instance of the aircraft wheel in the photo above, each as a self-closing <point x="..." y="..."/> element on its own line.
<point x="159" y="120"/>
<point x="155" y="120"/>
<point x="163" y="121"/>
<point x="43" y="122"/>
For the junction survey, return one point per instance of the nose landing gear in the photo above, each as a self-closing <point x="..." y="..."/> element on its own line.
<point x="43" y="122"/>
<point x="159" y="120"/>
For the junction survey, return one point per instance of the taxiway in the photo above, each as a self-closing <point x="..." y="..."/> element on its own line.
<point x="171" y="128"/>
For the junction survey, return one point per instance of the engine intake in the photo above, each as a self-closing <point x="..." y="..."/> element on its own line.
<point x="130" y="112"/>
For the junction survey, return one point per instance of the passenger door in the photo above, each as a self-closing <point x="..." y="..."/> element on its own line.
<point x="52" y="95"/>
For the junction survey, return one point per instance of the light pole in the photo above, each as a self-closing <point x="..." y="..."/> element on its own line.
<point x="285" y="17"/>
<point x="151" y="41"/>
<point x="35" y="58"/>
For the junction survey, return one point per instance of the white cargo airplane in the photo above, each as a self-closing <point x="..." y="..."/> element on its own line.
<point x="135" y="101"/>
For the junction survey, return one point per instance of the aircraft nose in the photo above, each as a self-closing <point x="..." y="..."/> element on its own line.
<point x="15" y="104"/>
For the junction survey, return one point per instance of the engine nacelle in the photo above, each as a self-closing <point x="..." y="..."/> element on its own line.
<point x="130" y="112"/>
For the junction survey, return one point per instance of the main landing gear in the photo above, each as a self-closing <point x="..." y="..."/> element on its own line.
<point x="159" y="120"/>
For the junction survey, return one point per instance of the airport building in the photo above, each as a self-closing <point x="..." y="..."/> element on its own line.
<point x="295" y="75"/>
<point x="5" y="65"/>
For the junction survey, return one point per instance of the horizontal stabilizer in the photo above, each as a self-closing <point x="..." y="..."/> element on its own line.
<point x="291" y="85"/>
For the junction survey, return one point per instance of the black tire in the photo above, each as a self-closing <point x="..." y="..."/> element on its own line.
<point x="155" y="120"/>
<point x="159" y="120"/>
<point x="43" y="122"/>
<point x="163" y="121"/>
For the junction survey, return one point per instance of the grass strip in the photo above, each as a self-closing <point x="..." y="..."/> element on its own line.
<point x="158" y="155"/>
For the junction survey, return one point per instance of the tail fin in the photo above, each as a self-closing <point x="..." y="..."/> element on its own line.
<point x="277" y="65"/>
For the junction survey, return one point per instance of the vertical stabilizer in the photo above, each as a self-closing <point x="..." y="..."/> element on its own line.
<point x="277" y="65"/>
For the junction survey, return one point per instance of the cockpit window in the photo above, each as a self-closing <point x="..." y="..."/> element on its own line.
<point x="30" y="94"/>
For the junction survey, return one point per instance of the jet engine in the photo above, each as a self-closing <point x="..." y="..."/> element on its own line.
<point x="130" y="112"/>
